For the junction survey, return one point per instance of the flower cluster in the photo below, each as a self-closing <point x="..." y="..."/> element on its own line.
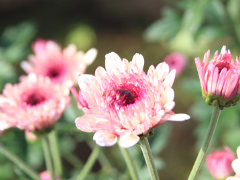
<point x="40" y="98"/>
<point x="123" y="103"/>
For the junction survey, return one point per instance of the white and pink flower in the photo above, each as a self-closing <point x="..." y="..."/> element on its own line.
<point x="122" y="102"/>
<point x="33" y="104"/>
<point x="61" y="66"/>
<point x="220" y="78"/>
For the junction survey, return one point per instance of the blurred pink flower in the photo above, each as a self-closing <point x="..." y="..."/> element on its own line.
<point x="219" y="163"/>
<point x="176" y="61"/>
<point x="236" y="167"/>
<point x="34" y="104"/>
<point x="220" y="76"/>
<point x="123" y="102"/>
<point x="45" y="175"/>
<point x="61" y="66"/>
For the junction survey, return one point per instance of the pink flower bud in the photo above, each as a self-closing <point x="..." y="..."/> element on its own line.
<point x="219" y="78"/>
<point x="219" y="163"/>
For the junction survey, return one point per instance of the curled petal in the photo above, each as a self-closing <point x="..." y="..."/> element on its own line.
<point x="178" y="117"/>
<point x="104" y="138"/>
<point x="127" y="141"/>
<point x="90" y="56"/>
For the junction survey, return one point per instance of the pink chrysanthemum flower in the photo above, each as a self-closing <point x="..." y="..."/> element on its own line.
<point x="61" y="66"/>
<point x="219" y="163"/>
<point x="176" y="61"/>
<point x="236" y="167"/>
<point x="219" y="78"/>
<point x="122" y="102"/>
<point x="35" y="103"/>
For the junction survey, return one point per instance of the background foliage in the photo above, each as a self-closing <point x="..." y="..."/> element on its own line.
<point x="187" y="26"/>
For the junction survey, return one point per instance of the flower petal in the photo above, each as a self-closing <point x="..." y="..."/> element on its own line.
<point x="113" y="63"/>
<point x="168" y="82"/>
<point x="138" y="61"/>
<point x="104" y="138"/>
<point x="178" y="117"/>
<point x="90" y="56"/>
<point x="236" y="165"/>
<point x="200" y="73"/>
<point x="127" y="141"/>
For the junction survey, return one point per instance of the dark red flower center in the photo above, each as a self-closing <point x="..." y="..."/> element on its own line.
<point x="53" y="73"/>
<point x="124" y="97"/>
<point x="34" y="99"/>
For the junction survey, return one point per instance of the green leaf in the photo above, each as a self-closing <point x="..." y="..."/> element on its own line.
<point x="193" y="18"/>
<point x="21" y="34"/>
<point x="216" y="12"/>
<point x="212" y="32"/>
<point x="165" y="28"/>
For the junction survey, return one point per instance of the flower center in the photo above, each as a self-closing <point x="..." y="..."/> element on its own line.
<point x="224" y="62"/>
<point x="53" y="73"/>
<point x="124" y="97"/>
<point x="34" y="99"/>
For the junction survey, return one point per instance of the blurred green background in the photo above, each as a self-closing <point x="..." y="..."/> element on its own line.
<point x="151" y="28"/>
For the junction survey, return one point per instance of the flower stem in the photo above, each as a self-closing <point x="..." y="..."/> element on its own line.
<point x="30" y="172"/>
<point x="129" y="162"/>
<point x="47" y="154"/>
<point x="144" y="144"/>
<point x="202" y="153"/>
<point x="89" y="164"/>
<point x="55" y="153"/>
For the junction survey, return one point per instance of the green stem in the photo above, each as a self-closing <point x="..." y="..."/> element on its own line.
<point x="73" y="160"/>
<point x="30" y="172"/>
<point x="103" y="160"/>
<point x="202" y="153"/>
<point x="55" y="153"/>
<point x="89" y="164"/>
<point x="129" y="162"/>
<point x="47" y="154"/>
<point x="144" y="144"/>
